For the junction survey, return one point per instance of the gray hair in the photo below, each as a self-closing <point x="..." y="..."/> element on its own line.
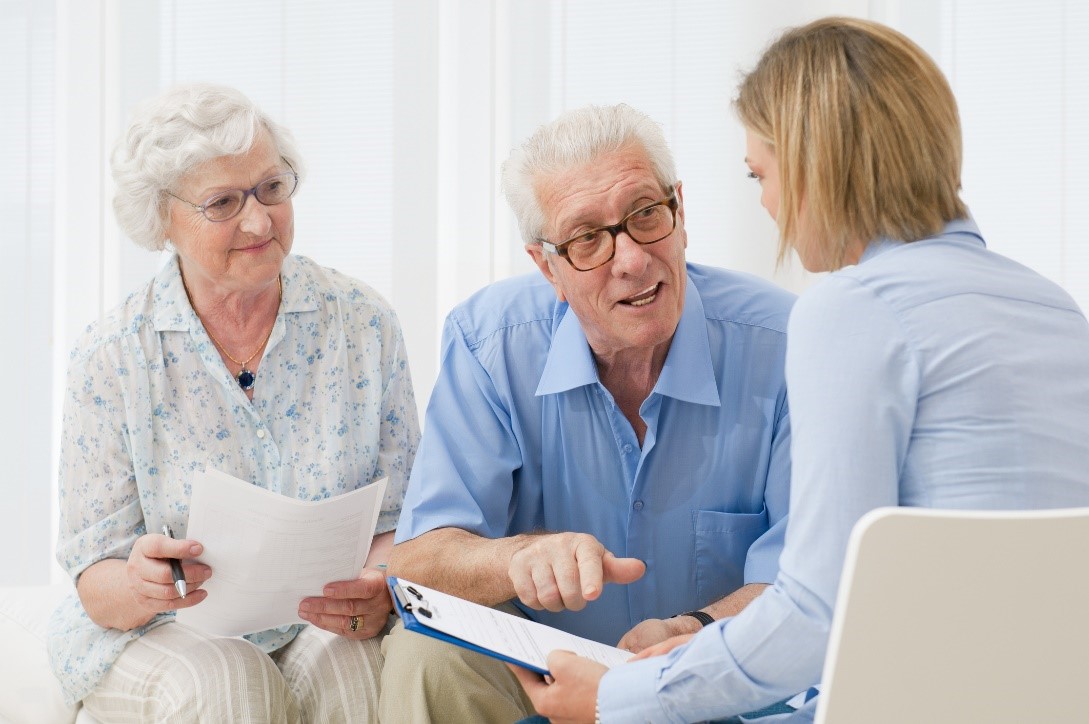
<point x="172" y="134"/>
<point x="575" y="139"/>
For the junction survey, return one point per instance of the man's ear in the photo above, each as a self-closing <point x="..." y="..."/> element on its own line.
<point x="680" y="213"/>
<point x="544" y="262"/>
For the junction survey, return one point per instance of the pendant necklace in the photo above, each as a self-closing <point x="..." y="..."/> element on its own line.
<point x="245" y="377"/>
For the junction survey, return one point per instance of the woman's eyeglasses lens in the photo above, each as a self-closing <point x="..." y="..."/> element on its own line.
<point x="269" y="192"/>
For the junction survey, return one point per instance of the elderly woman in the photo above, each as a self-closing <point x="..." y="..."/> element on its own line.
<point x="239" y="356"/>
<point x="924" y="371"/>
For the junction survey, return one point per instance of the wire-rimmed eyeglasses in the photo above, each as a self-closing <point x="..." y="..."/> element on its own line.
<point x="227" y="204"/>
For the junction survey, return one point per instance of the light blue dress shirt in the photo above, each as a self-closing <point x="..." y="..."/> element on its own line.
<point x="934" y="374"/>
<point x="150" y="402"/>
<point x="521" y="436"/>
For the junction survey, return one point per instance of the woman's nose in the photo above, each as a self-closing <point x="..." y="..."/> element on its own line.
<point x="255" y="217"/>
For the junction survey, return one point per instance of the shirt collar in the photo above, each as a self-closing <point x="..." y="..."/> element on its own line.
<point x="173" y="312"/>
<point x="962" y="229"/>
<point x="687" y="375"/>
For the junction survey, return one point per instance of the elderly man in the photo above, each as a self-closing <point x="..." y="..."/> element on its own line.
<point x="620" y="417"/>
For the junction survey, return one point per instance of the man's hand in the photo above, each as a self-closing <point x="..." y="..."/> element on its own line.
<point x="571" y="698"/>
<point x="561" y="571"/>
<point x="655" y="631"/>
<point x="366" y="599"/>
<point x="663" y="648"/>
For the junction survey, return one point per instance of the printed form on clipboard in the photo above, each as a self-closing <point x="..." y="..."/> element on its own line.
<point x="490" y="632"/>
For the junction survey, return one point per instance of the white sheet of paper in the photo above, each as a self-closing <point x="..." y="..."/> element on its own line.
<point x="511" y="636"/>
<point x="268" y="551"/>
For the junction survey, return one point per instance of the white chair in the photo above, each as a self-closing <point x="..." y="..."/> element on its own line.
<point x="958" y="616"/>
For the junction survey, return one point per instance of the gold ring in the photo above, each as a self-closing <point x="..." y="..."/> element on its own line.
<point x="355" y="623"/>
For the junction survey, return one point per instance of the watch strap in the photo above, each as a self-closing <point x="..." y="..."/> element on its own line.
<point x="703" y="617"/>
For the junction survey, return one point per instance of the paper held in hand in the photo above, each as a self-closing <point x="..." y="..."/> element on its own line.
<point x="491" y="632"/>
<point x="268" y="552"/>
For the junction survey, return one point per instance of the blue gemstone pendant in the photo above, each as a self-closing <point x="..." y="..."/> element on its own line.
<point x="246" y="379"/>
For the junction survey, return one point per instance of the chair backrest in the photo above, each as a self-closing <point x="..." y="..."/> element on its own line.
<point x="961" y="616"/>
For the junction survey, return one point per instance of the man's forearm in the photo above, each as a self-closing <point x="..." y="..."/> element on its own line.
<point x="725" y="607"/>
<point x="734" y="603"/>
<point x="459" y="563"/>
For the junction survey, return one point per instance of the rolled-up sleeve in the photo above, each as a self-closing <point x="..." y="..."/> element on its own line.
<point x="463" y="475"/>
<point x="100" y="507"/>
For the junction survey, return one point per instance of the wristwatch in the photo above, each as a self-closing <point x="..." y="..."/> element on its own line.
<point x="703" y="617"/>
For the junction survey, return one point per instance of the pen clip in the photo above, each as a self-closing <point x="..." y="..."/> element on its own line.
<point x="416" y="608"/>
<point x="401" y="598"/>
<point x="167" y="532"/>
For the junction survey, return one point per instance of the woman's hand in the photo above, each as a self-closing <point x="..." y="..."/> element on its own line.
<point x="150" y="581"/>
<point x="570" y="697"/>
<point x="124" y="594"/>
<point x="366" y="599"/>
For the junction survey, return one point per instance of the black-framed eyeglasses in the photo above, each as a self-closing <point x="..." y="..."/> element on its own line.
<point x="226" y="205"/>
<point x="646" y="225"/>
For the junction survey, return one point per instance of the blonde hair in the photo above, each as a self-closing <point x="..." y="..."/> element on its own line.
<point x="865" y="131"/>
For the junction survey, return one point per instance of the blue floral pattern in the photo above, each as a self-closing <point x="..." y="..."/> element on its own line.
<point x="150" y="402"/>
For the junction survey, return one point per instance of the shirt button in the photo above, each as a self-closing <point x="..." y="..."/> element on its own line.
<point x="261" y="434"/>
<point x="638" y="505"/>
<point x="627" y="449"/>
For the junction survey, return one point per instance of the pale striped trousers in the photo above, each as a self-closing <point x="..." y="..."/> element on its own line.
<point x="176" y="674"/>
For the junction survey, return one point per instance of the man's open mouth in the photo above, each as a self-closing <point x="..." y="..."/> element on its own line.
<point x="642" y="298"/>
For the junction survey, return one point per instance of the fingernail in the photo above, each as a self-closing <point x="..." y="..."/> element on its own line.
<point x="305" y="607"/>
<point x="196" y="549"/>
<point x="328" y="592"/>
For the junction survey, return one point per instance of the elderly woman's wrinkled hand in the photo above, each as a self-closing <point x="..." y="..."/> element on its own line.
<point x="148" y="573"/>
<point x="355" y="609"/>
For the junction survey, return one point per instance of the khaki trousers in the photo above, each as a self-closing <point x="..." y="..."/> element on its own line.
<point x="425" y="680"/>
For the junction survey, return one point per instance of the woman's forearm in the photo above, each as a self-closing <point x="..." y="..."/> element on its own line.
<point x="380" y="548"/>
<point x="104" y="592"/>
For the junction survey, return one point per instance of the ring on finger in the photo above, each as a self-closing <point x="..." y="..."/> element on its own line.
<point x="354" y="624"/>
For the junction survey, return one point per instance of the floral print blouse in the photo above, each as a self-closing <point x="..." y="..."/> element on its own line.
<point x="150" y="402"/>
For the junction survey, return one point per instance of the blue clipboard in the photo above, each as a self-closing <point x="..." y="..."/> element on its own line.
<point x="413" y="609"/>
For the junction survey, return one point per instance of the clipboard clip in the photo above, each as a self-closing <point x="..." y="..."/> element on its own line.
<point x="417" y="606"/>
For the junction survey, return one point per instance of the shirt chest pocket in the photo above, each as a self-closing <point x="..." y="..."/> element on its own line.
<point x="722" y="543"/>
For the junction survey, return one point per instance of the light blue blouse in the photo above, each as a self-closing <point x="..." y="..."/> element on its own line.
<point x="934" y="374"/>
<point x="149" y="402"/>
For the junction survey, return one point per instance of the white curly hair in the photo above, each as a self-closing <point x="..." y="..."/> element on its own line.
<point x="172" y="134"/>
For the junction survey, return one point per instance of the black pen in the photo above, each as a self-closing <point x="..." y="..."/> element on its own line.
<point x="176" y="566"/>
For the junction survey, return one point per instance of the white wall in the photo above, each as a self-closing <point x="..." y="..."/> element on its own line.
<point x="405" y="109"/>
<point x="26" y="157"/>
